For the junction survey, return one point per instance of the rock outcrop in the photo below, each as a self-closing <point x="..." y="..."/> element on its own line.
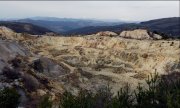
<point x="139" y="34"/>
<point x="9" y="50"/>
<point x="49" y="67"/>
<point x="5" y="31"/>
<point x="106" y="33"/>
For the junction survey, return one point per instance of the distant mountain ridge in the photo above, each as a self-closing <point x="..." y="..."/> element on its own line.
<point x="169" y="26"/>
<point x="68" y="26"/>
<point x="165" y="26"/>
<point x="61" y="25"/>
<point x="95" y="29"/>
<point x="25" y="27"/>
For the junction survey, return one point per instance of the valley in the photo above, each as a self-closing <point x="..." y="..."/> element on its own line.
<point x="89" y="54"/>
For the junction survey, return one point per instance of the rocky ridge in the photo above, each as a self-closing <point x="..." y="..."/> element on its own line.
<point x="140" y="34"/>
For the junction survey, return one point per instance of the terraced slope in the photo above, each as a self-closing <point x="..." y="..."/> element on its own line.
<point x="114" y="60"/>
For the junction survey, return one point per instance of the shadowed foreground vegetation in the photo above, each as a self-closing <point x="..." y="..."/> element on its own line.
<point x="162" y="92"/>
<point x="9" y="98"/>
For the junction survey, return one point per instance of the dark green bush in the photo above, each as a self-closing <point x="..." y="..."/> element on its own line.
<point x="122" y="100"/>
<point x="45" y="102"/>
<point x="9" y="98"/>
<point x="16" y="62"/>
<point x="37" y="65"/>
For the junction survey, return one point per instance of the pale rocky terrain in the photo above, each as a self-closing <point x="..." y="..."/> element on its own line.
<point x="139" y="34"/>
<point x="106" y="33"/>
<point x="88" y="62"/>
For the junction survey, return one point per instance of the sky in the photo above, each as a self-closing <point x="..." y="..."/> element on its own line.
<point x="121" y="10"/>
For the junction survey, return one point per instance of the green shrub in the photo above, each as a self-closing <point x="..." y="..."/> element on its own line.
<point x="9" y="98"/>
<point x="16" y="62"/>
<point x="45" y="102"/>
<point x="86" y="99"/>
<point x="38" y="66"/>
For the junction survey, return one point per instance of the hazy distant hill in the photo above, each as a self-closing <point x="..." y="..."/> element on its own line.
<point x="168" y="26"/>
<point x="62" y="25"/>
<point x="95" y="29"/>
<point x="69" y="26"/>
<point x="24" y="27"/>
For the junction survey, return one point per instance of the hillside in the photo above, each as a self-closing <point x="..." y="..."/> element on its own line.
<point x="25" y="27"/>
<point x="51" y="65"/>
<point x="169" y="26"/>
<point x="61" y="25"/>
<point x="95" y="29"/>
<point x="166" y="26"/>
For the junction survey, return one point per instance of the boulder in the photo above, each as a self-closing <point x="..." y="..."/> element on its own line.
<point x="135" y="34"/>
<point x="139" y="34"/>
<point x="49" y="67"/>
<point x="41" y="92"/>
<point x="9" y="50"/>
<point x="156" y="36"/>
<point x="106" y="33"/>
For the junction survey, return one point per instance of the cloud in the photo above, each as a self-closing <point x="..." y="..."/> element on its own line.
<point x="124" y="10"/>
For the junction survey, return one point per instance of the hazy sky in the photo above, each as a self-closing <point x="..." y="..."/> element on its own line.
<point x="123" y="10"/>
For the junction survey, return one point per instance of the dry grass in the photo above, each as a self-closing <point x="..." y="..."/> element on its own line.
<point x="140" y="76"/>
